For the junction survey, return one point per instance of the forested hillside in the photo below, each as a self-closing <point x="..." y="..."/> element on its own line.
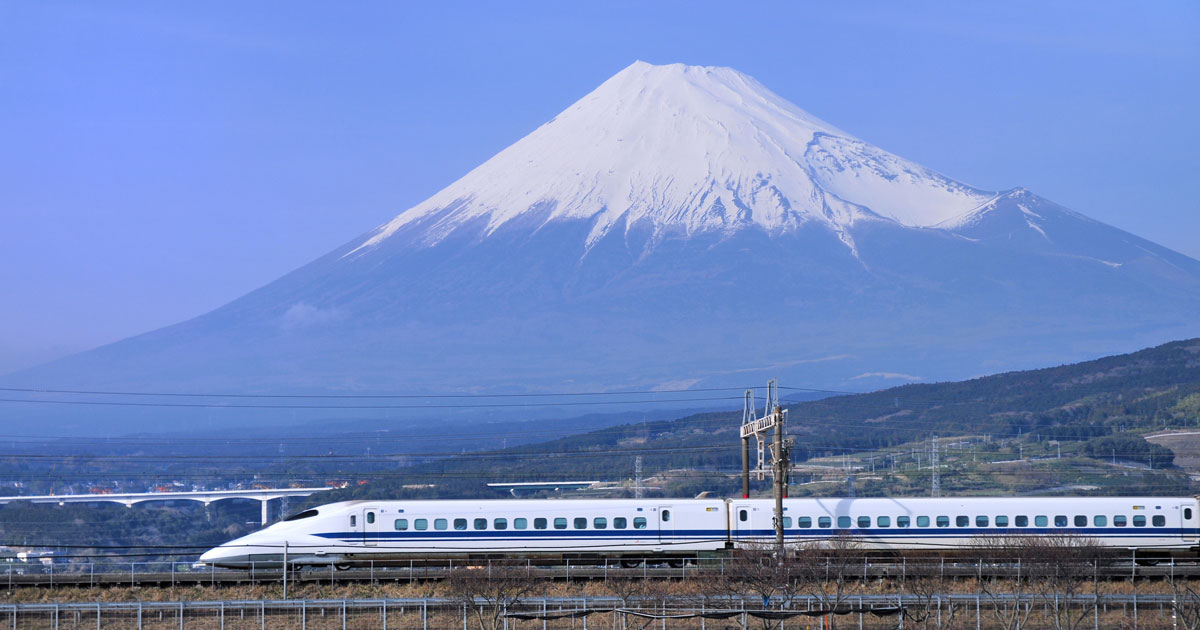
<point x="1079" y="406"/>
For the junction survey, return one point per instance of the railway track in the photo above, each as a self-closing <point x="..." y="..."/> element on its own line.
<point x="225" y="577"/>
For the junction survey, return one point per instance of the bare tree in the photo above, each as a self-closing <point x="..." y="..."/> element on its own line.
<point x="491" y="590"/>
<point x="1185" y="603"/>
<point x="758" y="572"/>
<point x="635" y="592"/>
<point x="1006" y="583"/>
<point x="827" y="570"/>
<point x="925" y="581"/>
<point x="1061" y="569"/>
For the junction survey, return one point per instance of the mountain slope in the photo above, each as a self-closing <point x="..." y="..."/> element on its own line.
<point x="678" y="226"/>
<point x="1112" y="396"/>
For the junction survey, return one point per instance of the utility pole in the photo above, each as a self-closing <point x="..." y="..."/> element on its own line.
<point x="780" y="462"/>
<point x="285" y="568"/>
<point x="773" y="419"/>
<point x="747" y="418"/>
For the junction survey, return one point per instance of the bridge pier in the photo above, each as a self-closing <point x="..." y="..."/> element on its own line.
<point x="264" y="511"/>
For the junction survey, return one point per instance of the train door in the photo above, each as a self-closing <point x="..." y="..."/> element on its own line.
<point x="666" y="523"/>
<point x="1187" y="512"/>
<point x="355" y="525"/>
<point x="741" y="521"/>
<point x="370" y="527"/>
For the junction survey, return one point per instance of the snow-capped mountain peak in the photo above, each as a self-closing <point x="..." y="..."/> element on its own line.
<point x="693" y="148"/>
<point x="746" y="240"/>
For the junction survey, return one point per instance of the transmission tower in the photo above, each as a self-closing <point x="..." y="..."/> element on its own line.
<point x="637" y="477"/>
<point x="936" y="484"/>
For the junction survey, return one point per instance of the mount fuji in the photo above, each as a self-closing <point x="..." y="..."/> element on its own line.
<point x="679" y="226"/>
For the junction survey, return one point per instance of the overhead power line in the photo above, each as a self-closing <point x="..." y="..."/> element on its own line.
<point x="29" y="390"/>
<point x="584" y="403"/>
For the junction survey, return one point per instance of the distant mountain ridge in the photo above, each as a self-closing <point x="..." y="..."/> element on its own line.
<point x="1080" y="404"/>
<point x="679" y="226"/>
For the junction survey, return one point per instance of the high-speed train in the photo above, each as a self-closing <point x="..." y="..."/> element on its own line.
<point x="358" y="532"/>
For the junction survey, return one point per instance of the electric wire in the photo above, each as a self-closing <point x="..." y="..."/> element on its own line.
<point x="42" y="390"/>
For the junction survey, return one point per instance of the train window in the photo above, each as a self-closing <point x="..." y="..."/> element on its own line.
<point x="600" y="523"/>
<point x="370" y="517"/>
<point x="1187" y="514"/>
<point x="962" y="521"/>
<point x="922" y="521"/>
<point x="499" y="523"/>
<point x="1080" y="521"/>
<point x="639" y="522"/>
<point x="460" y="524"/>
<point x="1060" y="520"/>
<point x="440" y="523"/>
<point x="481" y="523"/>
<point x="1139" y="521"/>
<point x="1041" y="521"/>
<point x="843" y="521"/>
<point x="1159" y="520"/>
<point x="520" y="523"/>
<point x="1100" y="520"/>
<point x="580" y="522"/>
<point x="787" y="522"/>
<point x="743" y="515"/>
<point x="824" y="521"/>
<point x="981" y="521"/>
<point x="903" y="521"/>
<point x="421" y="523"/>
<point x="1001" y="521"/>
<point x="539" y="523"/>
<point x="943" y="521"/>
<point x="1021" y="521"/>
<point x="560" y="523"/>
<point x="883" y="521"/>
<point x="864" y="521"/>
<point x="401" y="524"/>
<point x="1119" y="520"/>
<point x="804" y="522"/>
<point x="353" y="521"/>
<point x="666" y="515"/>
<point x="620" y="523"/>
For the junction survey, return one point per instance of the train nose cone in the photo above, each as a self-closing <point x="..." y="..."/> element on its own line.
<point x="224" y="557"/>
<point x="208" y="557"/>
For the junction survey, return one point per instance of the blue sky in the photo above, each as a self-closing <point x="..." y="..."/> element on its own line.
<point x="161" y="159"/>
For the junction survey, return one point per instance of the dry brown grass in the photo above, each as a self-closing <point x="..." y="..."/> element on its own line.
<point x="392" y="590"/>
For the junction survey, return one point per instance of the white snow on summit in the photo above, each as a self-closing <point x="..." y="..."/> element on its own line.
<point x="691" y="147"/>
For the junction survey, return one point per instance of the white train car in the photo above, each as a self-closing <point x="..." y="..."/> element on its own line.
<point x="357" y="532"/>
<point x="1147" y="524"/>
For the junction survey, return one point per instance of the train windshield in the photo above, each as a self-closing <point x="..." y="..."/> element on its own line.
<point x="304" y="514"/>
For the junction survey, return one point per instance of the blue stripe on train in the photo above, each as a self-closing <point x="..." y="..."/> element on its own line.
<point x="709" y="534"/>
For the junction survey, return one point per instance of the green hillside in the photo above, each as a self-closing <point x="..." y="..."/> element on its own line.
<point x="1074" y="428"/>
